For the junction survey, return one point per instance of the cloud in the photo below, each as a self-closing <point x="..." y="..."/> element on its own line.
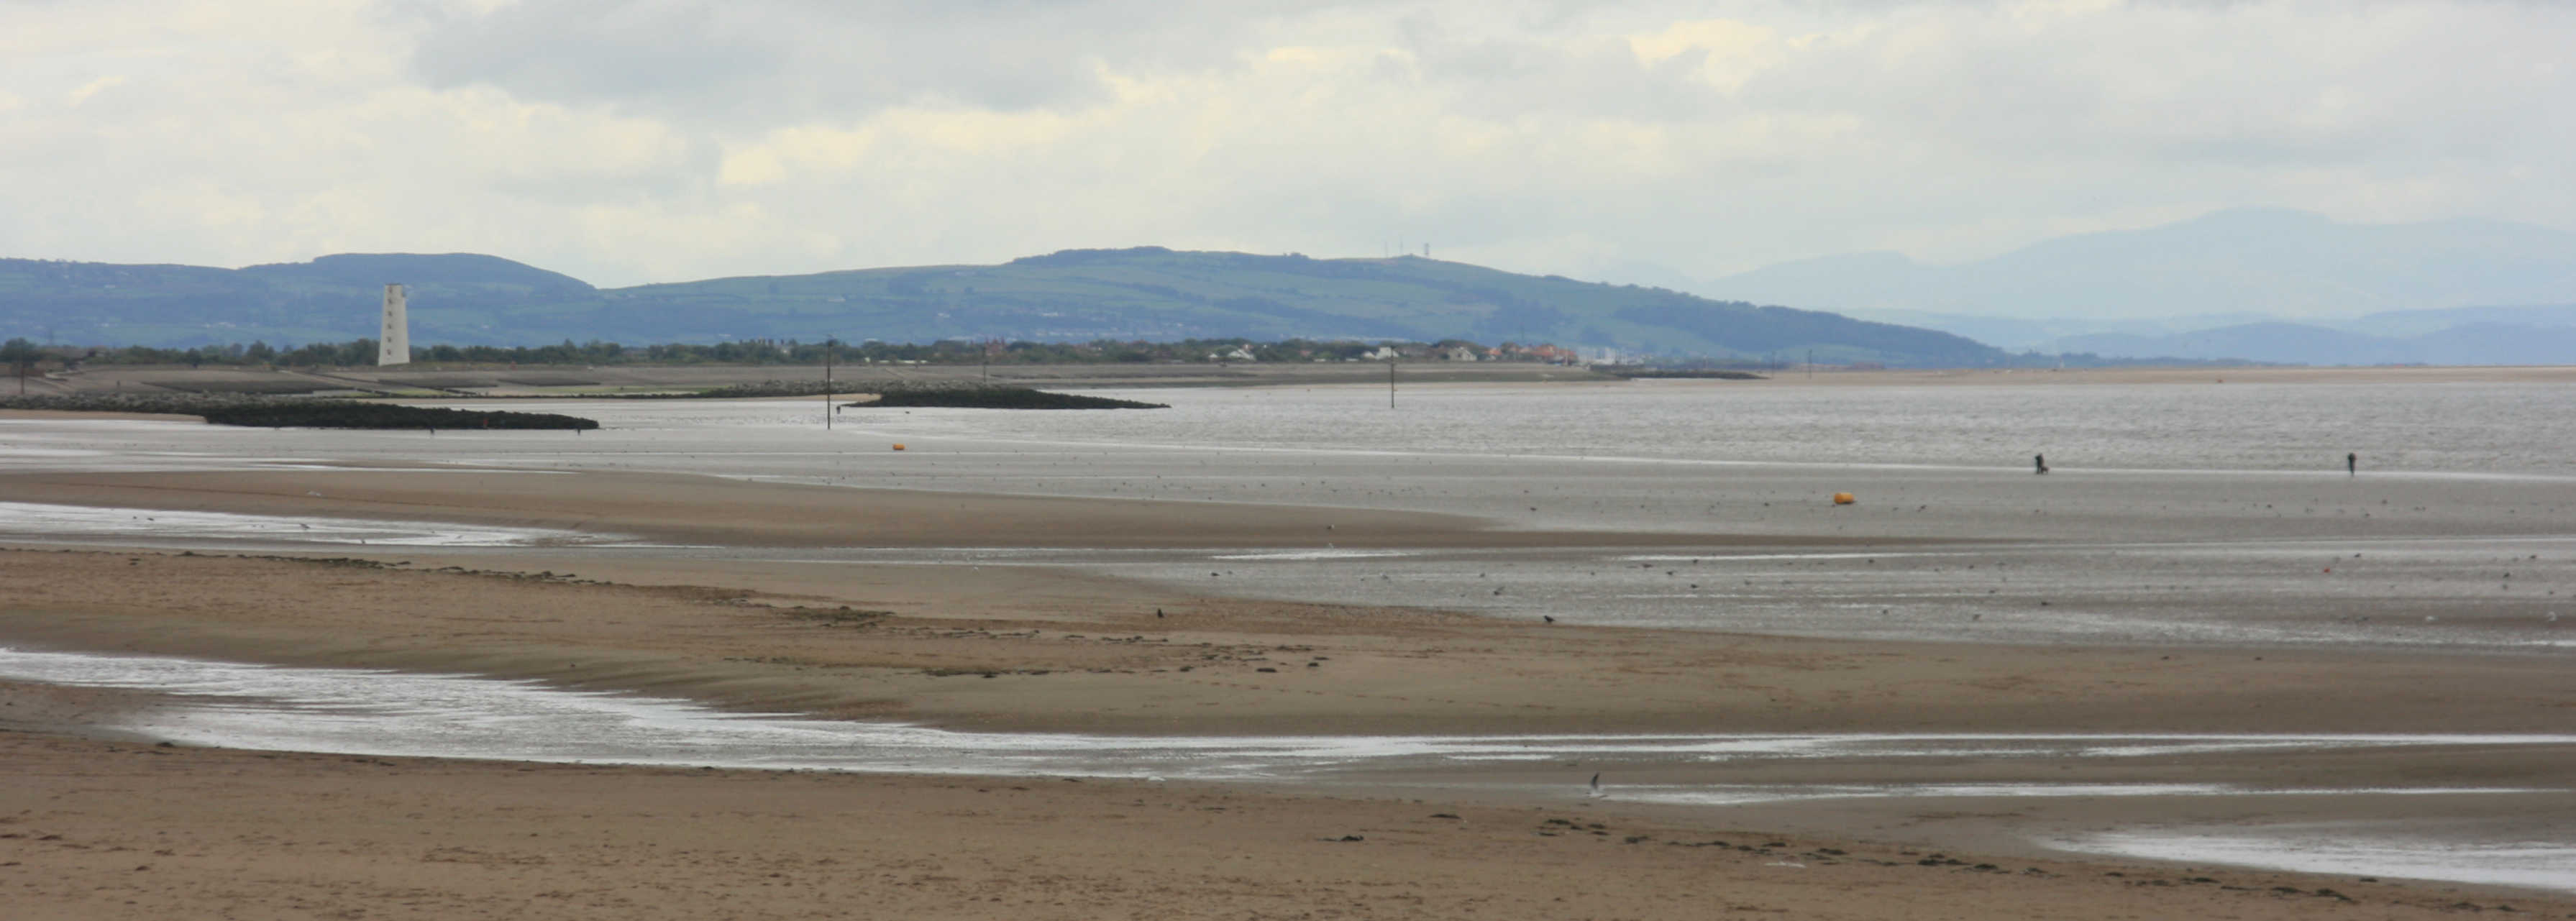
<point x="634" y="140"/>
<point x="765" y="63"/>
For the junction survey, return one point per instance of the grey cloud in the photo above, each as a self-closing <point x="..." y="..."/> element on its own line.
<point x="769" y="62"/>
<point x="1508" y="79"/>
<point x="1523" y="133"/>
<point x="2239" y="82"/>
<point x="592" y="50"/>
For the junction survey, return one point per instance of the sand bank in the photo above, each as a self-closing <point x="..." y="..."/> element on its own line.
<point x="1068" y="652"/>
<point x="685" y="509"/>
<point x="1001" y="647"/>
<point x="108" y="830"/>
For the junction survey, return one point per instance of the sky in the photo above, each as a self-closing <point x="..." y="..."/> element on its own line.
<point x="633" y="141"/>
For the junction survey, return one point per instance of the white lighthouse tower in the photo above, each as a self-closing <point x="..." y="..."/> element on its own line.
<point x="394" y="347"/>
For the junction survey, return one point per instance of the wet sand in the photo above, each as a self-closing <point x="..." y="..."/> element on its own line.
<point x="113" y="830"/>
<point x="686" y="509"/>
<point x="1071" y="652"/>
<point x="259" y="833"/>
<point x="2405" y="374"/>
<point x="264" y="834"/>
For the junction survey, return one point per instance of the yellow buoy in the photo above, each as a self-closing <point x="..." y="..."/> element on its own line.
<point x="898" y="446"/>
<point x="1843" y="498"/>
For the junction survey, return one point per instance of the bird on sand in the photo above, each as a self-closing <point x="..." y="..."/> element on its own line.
<point x="1596" y="787"/>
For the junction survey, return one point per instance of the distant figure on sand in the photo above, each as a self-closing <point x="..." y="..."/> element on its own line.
<point x="2039" y="463"/>
<point x="2351" y="463"/>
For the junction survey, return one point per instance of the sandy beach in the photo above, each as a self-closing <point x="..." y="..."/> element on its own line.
<point x="98" y="823"/>
<point x="259" y="833"/>
<point x="110" y="830"/>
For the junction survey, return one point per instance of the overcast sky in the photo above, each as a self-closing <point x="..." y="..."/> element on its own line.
<point x="626" y="141"/>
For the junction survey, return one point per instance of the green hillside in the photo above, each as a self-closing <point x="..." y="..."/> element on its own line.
<point x="1147" y="293"/>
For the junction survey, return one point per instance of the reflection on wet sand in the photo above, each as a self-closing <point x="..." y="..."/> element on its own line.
<point x="404" y="714"/>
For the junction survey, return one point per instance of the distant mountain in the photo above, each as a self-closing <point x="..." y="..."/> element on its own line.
<point x="1140" y="293"/>
<point x="2419" y="322"/>
<point x="2263" y="261"/>
<point x="450" y="275"/>
<point x="2295" y="343"/>
<point x="2015" y="334"/>
<point x="2285" y="343"/>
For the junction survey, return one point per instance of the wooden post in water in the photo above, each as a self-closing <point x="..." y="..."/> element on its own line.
<point x="828" y="344"/>
<point x="1390" y="382"/>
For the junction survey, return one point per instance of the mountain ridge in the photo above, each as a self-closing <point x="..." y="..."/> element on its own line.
<point x="1077" y="294"/>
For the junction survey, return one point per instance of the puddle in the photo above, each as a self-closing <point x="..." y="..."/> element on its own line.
<point x="401" y="713"/>
<point x="79" y="522"/>
<point x="1327" y="554"/>
<point x="1750" y="795"/>
<point x="2347" y="851"/>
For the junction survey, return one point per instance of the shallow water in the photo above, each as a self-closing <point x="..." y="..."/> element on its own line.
<point x="370" y="711"/>
<point x="2469" y="427"/>
<point x="2347" y="849"/>
<point x="92" y="524"/>
<point x="402" y="714"/>
<point x="2236" y="539"/>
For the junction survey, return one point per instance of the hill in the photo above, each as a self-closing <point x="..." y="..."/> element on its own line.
<point x="1074" y="295"/>
<point x="333" y="298"/>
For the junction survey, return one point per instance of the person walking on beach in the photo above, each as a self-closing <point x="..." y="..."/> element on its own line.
<point x="2039" y="463"/>
<point x="2351" y="463"/>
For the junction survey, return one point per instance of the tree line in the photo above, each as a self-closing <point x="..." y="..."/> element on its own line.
<point x="360" y="352"/>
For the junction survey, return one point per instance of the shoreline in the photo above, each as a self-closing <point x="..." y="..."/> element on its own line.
<point x="110" y="378"/>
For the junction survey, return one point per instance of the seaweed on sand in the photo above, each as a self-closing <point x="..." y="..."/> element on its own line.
<point x="350" y="414"/>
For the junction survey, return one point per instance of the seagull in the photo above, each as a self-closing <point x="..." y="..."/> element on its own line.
<point x="1596" y="787"/>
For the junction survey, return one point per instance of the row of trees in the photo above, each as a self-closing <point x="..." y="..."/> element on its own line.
<point x="772" y="351"/>
<point x="352" y="352"/>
